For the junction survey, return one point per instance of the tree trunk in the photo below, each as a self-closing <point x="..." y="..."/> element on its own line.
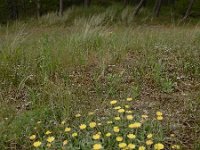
<point x="139" y="6"/>
<point x="87" y="3"/>
<point x="157" y="8"/>
<point x="125" y="2"/>
<point x="38" y="8"/>
<point x="187" y="14"/>
<point x="61" y="8"/>
<point x="12" y="6"/>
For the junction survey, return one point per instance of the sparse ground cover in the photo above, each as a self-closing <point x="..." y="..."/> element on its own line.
<point x="54" y="68"/>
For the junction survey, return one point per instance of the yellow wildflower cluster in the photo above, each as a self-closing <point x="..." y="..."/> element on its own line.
<point x="122" y="128"/>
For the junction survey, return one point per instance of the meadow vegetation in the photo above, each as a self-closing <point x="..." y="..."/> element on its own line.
<point x="54" y="68"/>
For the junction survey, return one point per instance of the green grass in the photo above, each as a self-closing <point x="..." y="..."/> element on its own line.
<point x="53" y="68"/>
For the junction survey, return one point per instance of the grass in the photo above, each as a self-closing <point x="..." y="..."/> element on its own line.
<point x="54" y="68"/>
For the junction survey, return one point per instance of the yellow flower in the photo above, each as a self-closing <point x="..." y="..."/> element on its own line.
<point x="158" y="113"/>
<point x="48" y="145"/>
<point x="97" y="146"/>
<point x="129" y="111"/>
<point x="149" y="142"/>
<point x="135" y="125"/>
<point x="117" y="118"/>
<point x="113" y="102"/>
<point x="131" y="136"/>
<point x="158" y="146"/>
<point x="38" y="122"/>
<point x="82" y="126"/>
<point x="149" y="136"/>
<point x="99" y="133"/>
<point x="32" y="137"/>
<point x="129" y="99"/>
<point x="129" y="117"/>
<point x="144" y="116"/>
<point x="176" y="147"/>
<point x="121" y="110"/>
<point x="131" y="146"/>
<point x="92" y="124"/>
<point x="67" y="129"/>
<point x="96" y="136"/>
<point x="159" y="118"/>
<point x="116" y="108"/>
<point x="77" y="115"/>
<point x="108" y="134"/>
<point x="74" y="134"/>
<point x="116" y="129"/>
<point x="37" y="144"/>
<point x="141" y="148"/>
<point x="63" y="122"/>
<point x="109" y="122"/>
<point x="50" y="139"/>
<point x="122" y="145"/>
<point x="119" y="138"/>
<point x="127" y="106"/>
<point x="48" y="132"/>
<point x="65" y="142"/>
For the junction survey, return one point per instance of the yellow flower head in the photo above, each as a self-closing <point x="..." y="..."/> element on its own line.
<point x="50" y="139"/>
<point x="67" y="129"/>
<point x="144" y="116"/>
<point x="122" y="145"/>
<point x="37" y="144"/>
<point x="65" y="142"/>
<point x="74" y="134"/>
<point x="116" y="129"/>
<point x="149" y="136"/>
<point x="158" y="113"/>
<point x="108" y="134"/>
<point x="48" y="132"/>
<point x="92" y="124"/>
<point x="129" y="99"/>
<point x="127" y="106"/>
<point x="63" y="122"/>
<point x="131" y="136"/>
<point x="158" y="146"/>
<point x="176" y="147"/>
<point x="121" y="111"/>
<point x="135" y="125"/>
<point x="113" y="102"/>
<point x="129" y="117"/>
<point x="77" y="115"/>
<point x="32" y="137"/>
<point x="97" y="146"/>
<point x="149" y="142"/>
<point x="96" y="136"/>
<point x="117" y="118"/>
<point x="82" y="126"/>
<point x="119" y="138"/>
<point x="141" y="148"/>
<point x="160" y="118"/>
<point x="109" y="122"/>
<point x="129" y="112"/>
<point x="131" y="146"/>
<point x="117" y="107"/>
